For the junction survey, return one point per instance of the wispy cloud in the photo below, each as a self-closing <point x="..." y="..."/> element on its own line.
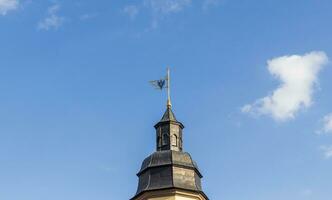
<point x="298" y="75"/>
<point x="167" y="6"/>
<point x="52" y="20"/>
<point x="327" y="150"/>
<point x="306" y="192"/>
<point x="108" y="168"/>
<point x="8" y="5"/>
<point x="131" y="11"/>
<point x="88" y="16"/>
<point x="209" y="3"/>
<point x="161" y="8"/>
<point x="325" y="125"/>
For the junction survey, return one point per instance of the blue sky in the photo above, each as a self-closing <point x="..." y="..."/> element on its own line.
<point x="251" y="83"/>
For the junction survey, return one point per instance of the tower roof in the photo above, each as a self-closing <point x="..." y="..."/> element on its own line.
<point x="169" y="117"/>
<point x="169" y="169"/>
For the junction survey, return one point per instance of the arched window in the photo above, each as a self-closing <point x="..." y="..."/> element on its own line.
<point x="158" y="141"/>
<point x="165" y="139"/>
<point x="159" y="137"/>
<point x="174" y="140"/>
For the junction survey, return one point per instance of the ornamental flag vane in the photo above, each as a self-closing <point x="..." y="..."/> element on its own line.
<point x="164" y="83"/>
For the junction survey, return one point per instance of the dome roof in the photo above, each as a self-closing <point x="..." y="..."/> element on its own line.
<point x="169" y="169"/>
<point x="162" y="158"/>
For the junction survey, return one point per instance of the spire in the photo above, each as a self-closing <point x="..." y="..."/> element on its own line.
<point x="169" y="170"/>
<point x="168" y="129"/>
<point x="168" y="115"/>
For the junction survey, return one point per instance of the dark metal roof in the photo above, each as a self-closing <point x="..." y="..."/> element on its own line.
<point x="169" y="169"/>
<point x="168" y="116"/>
<point x="162" y="158"/>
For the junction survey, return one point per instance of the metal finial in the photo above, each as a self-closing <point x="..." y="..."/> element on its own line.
<point x="168" y="78"/>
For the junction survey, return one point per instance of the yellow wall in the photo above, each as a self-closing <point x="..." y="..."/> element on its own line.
<point x="162" y="198"/>
<point x="171" y="194"/>
<point x="173" y="198"/>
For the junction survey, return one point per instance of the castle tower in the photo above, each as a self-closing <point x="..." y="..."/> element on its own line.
<point x="169" y="173"/>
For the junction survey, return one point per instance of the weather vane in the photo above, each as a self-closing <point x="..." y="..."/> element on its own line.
<point x="164" y="83"/>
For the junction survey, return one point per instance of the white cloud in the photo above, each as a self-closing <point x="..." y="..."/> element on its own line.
<point x="167" y="6"/>
<point x="8" y="5"/>
<point x="52" y="20"/>
<point x="327" y="150"/>
<point x="131" y="11"/>
<point x="159" y="9"/>
<point x="326" y="125"/>
<point x="298" y="75"/>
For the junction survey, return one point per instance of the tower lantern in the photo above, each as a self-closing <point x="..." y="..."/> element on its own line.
<point x="169" y="132"/>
